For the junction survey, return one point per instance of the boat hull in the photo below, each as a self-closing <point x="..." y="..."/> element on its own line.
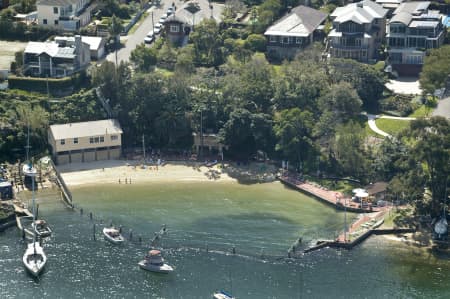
<point x="34" y="259"/>
<point x="154" y="268"/>
<point x="114" y="240"/>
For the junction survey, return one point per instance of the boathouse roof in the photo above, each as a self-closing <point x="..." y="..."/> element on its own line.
<point x="86" y="129"/>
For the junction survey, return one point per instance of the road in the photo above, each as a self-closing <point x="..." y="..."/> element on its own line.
<point x="132" y="40"/>
<point x="443" y="108"/>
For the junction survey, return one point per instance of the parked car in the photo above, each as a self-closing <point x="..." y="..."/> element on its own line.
<point x="148" y="39"/>
<point x="157" y="28"/>
<point x="163" y="18"/>
<point x="170" y="11"/>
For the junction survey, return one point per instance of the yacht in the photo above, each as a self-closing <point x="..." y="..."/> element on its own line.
<point x="154" y="262"/>
<point x="34" y="258"/>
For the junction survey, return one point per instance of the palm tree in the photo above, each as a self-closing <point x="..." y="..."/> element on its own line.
<point x="115" y="28"/>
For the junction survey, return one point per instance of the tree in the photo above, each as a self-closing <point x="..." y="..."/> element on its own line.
<point x="430" y="149"/>
<point x="208" y="43"/>
<point x="293" y="131"/>
<point x="436" y="69"/>
<point x="348" y="150"/>
<point x="368" y="82"/>
<point x="256" y="42"/>
<point x="115" y="28"/>
<point x="185" y="60"/>
<point x="144" y="58"/>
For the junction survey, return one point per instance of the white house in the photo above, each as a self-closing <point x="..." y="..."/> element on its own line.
<point x="96" y="44"/>
<point x="69" y="15"/>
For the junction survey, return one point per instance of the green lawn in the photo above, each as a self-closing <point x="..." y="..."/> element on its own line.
<point x="422" y="111"/>
<point x="392" y="126"/>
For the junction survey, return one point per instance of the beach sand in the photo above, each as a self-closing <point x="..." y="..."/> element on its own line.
<point x="109" y="172"/>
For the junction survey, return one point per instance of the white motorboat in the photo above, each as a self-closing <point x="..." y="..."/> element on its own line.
<point x="34" y="258"/>
<point x="222" y="295"/>
<point x="29" y="170"/>
<point x="154" y="262"/>
<point x="41" y="228"/>
<point x="113" y="235"/>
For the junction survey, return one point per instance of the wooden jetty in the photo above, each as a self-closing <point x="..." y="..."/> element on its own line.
<point x="330" y="197"/>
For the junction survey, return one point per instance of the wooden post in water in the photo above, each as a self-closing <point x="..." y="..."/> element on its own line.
<point x="93" y="231"/>
<point x="37" y="210"/>
<point x="131" y="234"/>
<point x="90" y="215"/>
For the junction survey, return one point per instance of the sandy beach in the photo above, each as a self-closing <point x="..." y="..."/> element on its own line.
<point x="110" y="172"/>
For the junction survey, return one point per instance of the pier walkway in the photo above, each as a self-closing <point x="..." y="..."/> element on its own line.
<point x="334" y="198"/>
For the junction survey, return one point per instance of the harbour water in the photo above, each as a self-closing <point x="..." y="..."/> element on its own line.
<point x="261" y="221"/>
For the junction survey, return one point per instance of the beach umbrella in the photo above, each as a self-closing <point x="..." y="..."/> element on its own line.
<point x="362" y="194"/>
<point x="357" y="190"/>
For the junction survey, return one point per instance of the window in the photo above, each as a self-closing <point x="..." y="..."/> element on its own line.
<point x="273" y="39"/>
<point x="114" y="137"/>
<point x="174" y="28"/>
<point x="102" y="139"/>
<point x="298" y="40"/>
<point x="290" y="40"/>
<point x="56" y="22"/>
<point x="63" y="141"/>
<point x="96" y="139"/>
<point x="55" y="10"/>
<point x="44" y="21"/>
<point x="75" y="140"/>
<point x="91" y="140"/>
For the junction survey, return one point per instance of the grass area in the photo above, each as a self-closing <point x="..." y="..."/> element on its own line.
<point x="422" y="111"/>
<point x="392" y="126"/>
<point x="164" y="72"/>
<point x="379" y="66"/>
<point x="138" y="23"/>
<point x="398" y="217"/>
<point x="335" y="185"/>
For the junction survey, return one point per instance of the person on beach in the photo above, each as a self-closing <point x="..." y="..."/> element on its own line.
<point x="119" y="181"/>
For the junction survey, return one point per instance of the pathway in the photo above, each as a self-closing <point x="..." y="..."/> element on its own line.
<point x="373" y="126"/>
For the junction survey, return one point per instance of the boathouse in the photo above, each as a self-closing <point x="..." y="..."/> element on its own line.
<point x="86" y="141"/>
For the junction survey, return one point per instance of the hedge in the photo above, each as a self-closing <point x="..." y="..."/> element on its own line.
<point x="60" y="86"/>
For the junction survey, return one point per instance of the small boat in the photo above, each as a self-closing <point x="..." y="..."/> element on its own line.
<point x="154" y="262"/>
<point x="34" y="258"/>
<point x="42" y="228"/>
<point x="222" y="295"/>
<point x="29" y="170"/>
<point x="113" y="235"/>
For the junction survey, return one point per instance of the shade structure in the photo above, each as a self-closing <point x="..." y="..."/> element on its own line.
<point x="362" y="194"/>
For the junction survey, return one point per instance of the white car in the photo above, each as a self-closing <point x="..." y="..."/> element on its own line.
<point x="170" y="11"/>
<point x="163" y="18"/>
<point x="157" y="28"/>
<point x="148" y="39"/>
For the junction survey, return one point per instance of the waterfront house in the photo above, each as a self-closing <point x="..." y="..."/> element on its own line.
<point x="54" y="59"/>
<point x="390" y="5"/>
<point x="358" y="31"/>
<point x="68" y="15"/>
<point x="210" y="143"/>
<point x="412" y="31"/>
<point x="293" y="32"/>
<point x="96" y="44"/>
<point x="377" y="190"/>
<point x="85" y="141"/>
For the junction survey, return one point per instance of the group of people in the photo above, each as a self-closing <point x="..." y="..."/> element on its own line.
<point x="127" y="181"/>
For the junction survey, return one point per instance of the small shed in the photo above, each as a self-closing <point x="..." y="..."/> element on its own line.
<point x="377" y="190"/>
<point x="6" y="191"/>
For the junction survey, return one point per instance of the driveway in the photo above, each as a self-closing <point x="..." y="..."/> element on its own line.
<point x="405" y="85"/>
<point x="443" y="108"/>
<point x="132" y="40"/>
<point x="373" y="126"/>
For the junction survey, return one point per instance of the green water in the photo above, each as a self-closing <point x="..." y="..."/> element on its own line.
<point x="260" y="221"/>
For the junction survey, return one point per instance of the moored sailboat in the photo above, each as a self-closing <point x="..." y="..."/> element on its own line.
<point x="34" y="258"/>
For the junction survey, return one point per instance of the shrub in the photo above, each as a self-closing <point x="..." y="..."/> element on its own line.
<point x="256" y="42"/>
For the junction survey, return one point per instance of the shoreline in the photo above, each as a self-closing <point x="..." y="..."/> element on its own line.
<point x="111" y="171"/>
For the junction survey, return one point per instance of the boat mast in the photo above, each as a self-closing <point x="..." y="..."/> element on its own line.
<point x="143" y="146"/>
<point x="34" y="213"/>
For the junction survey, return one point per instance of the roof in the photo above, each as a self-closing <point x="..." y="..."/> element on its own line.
<point x="402" y="17"/>
<point x="56" y="2"/>
<point x="424" y="24"/>
<point x="86" y="129"/>
<point x="94" y="42"/>
<point x="376" y="188"/>
<point x="413" y="7"/>
<point x="362" y="12"/>
<point x="50" y="48"/>
<point x="301" y="21"/>
<point x="177" y="18"/>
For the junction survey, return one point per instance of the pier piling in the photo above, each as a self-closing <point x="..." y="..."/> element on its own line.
<point x="93" y="231"/>
<point x="131" y="234"/>
<point x="90" y="215"/>
<point x="81" y="211"/>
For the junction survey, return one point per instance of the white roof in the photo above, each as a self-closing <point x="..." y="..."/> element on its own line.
<point x="361" y="12"/>
<point x="86" y="129"/>
<point x="94" y="42"/>
<point x="50" y="48"/>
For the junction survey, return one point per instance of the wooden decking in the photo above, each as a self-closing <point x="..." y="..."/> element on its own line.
<point x="334" y="198"/>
